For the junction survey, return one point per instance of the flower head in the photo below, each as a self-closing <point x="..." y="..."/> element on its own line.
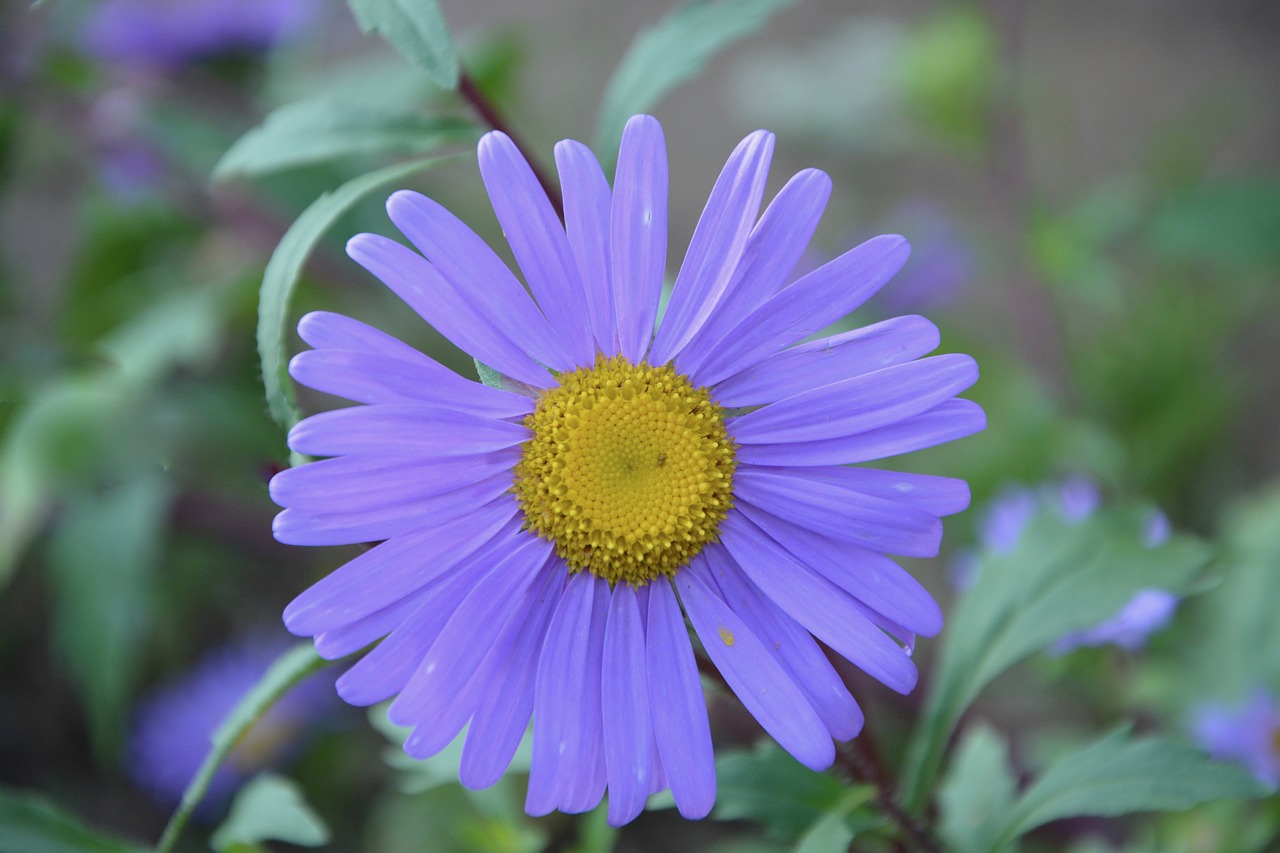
<point x="1249" y="733"/>
<point x="174" y="726"/>
<point x="543" y="541"/>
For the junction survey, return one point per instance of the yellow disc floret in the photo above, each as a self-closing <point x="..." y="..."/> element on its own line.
<point x="629" y="471"/>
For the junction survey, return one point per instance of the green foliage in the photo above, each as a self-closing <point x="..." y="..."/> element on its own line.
<point x="1060" y="578"/>
<point x="669" y="53"/>
<point x="1234" y="225"/>
<point x="770" y="787"/>
<point x="322" y="130"/>
<point x="269" y="808"/>
<point x="285" y="267"/>
<point x="1117" y="775"/>
<point x="29" y="823"/>
<point x="417" y="29"/>
<point x="977" y="791"/>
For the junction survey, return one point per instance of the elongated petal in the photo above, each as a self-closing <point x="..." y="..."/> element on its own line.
<point x="478" y="277"/>
<point x="439" y="301"/>
<point x="326" y="330"/>
<point x="638" y="233"/>
<point x="503" y="714"/>
<point x="820" y="606"/>
<point x="587" y="203"/>
<point x="628" y="730"/>
<point x="775" y="245"/>
<point x="936" y="495"/>
<point x="840" y="513"/>
<point x="872" y="578"/>
<point x="567" y="750"/>
<point x="348" y="528"/>
<point x="792" y="645"/>
<point x="946" y="422"/>
<point x="347" y="483"/>
<point x="717" y="245"/>
<point x="403" y="429"/>
<point x="537" y="239"/>
<point x="822" y="362"/>
<point x="756" y="677"/>
<point x="397" y="568"/>
<point x="680" y="726"/>
<point x="340" y="641"/>
<point x="859" y="404"/>
<point x="440" y="697"/>
<point x="802" y="308"/>
<point x="368" y="378"/>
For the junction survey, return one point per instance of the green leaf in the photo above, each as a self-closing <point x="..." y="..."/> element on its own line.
<point x="771" y="788"/>
<point x="1233" y="224"/>
<point x="417" y="29"/>
<point x="1061" y="578"/>
<point x="29" y="823"/>
<point x="285" y="266"/>
<point x="270" y="808"/>
<point x="320" y="130"/>
<point x="977" y="791"/>
<point x="831" y="834"/>
<point x="1116" y="775"/>
<point x="669" y="53"/>
<point x="103" y="556"/>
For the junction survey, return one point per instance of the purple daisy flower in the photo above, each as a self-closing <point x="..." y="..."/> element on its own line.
<point x="542" y="542"/>
<point x="174" y="726"/>
<point x="165" y="33"/>
<point x="1249" y="734"/>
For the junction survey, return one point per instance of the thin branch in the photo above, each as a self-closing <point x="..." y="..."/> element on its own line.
<point x="489" y="114"/>
<point x="859" y="760"/>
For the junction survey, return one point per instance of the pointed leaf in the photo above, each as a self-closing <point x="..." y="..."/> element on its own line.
<point x="417" y="29"/>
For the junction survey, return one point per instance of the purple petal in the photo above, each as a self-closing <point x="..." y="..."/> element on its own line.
<point x="792" y="645"/>
<point x="326" y="330"/>
<point x="440" y="697"/>
<point x="369" y="378"/>
<point x="946" y="422"/>
<point x="824" y="609"/>
<point x="859" y="404"/>
<point x="802" y="308"/>
<point x="440" y="301"/>
<point x="717" y="245"/>
<point x="478" y="278"/>
<point x="872" y="578"/>
<point x="403" y="429"/>
<point x="628" y="729"/>
<point x="934" y="495"/>
<point x="822" y="362"/>
<point x="776" y="244"/>
<point x="839" y="512"/>
<point x="398" y="568"/>
<point x="348" y="483"/>
<point x="568" y="764"/>
<point x="503" y="714"/>
<point x="587" y="203"/>
<point x="756" y="677"/>
<point x="681" y="730"/>
<point x="638" y="233"/>
<point x="293" y="527"/>
<point x="538" y="241"/>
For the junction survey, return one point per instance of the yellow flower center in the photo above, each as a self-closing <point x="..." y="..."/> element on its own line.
<point x="629" y="471"/>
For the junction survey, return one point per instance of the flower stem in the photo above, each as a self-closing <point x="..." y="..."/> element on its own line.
<point x="858" y="758"/>
<point x="288" y="670"/>
<point x="485" y="108"/>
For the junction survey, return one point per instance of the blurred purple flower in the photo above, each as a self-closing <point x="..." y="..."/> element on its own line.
<point x="173" y="727"/>
<point x="1249" y="734"/>
<point x="166" y="33"/>
<point x="1077" y="497"/>
<point x="941" y="265"/>
<point x="1147" y="612"/>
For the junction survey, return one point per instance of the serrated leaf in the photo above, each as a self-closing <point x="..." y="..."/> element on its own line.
<point x="770" y="787"/>
<point x="976" y="792"/>
<point x="669" y="53"/>
<point x="1116" y="775"/>
<point x="270" y="808"/>
<point x="417" y="29"/>
<point x="30" y="823"/>
<point x="102" y="557"/>
<point x="320" y="130"/>
<point x="285" y="266"/>
<point x="1061" y="578"/>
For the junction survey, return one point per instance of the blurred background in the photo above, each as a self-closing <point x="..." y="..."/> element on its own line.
<point x="1092" y="190"/>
